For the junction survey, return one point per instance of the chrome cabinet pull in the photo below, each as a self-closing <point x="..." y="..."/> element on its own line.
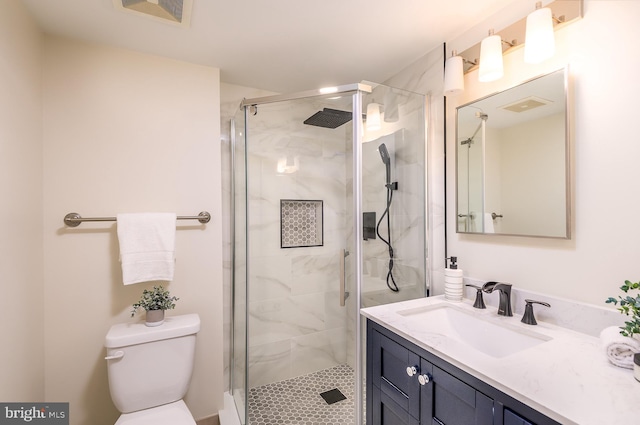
<point x="424" y="379"/>
<point x="412" y="370"/>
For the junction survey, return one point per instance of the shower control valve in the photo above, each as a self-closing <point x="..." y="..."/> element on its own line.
<point x="412" y="370"/>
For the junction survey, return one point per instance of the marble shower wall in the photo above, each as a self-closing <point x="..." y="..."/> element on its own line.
<point x="296" y="325"/>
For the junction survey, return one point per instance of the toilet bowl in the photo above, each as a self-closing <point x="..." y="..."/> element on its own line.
<point x="150" y="368"/>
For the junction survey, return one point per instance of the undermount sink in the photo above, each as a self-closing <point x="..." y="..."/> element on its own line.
<point x="485" y="335"/>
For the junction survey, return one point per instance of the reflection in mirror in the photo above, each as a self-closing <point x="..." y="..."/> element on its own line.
<point x="512" y="161"/>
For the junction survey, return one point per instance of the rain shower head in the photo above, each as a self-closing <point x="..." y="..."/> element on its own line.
<point x="329" y="118"/>
<point x="386" y="159"/>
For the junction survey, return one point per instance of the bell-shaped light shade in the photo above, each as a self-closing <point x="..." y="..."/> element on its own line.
<point x="539" y="43"/>
<point x="373" y="117"/>
<point x="491" y="67"/>
<point x="453" y="76"/>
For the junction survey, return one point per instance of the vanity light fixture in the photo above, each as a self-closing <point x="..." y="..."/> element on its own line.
<point x="374" y="122"/>
<point x="453" y="75"/>
<point x="554" y="15"/>
<point x="540" y="40"/>
<point x="491" y="67"/>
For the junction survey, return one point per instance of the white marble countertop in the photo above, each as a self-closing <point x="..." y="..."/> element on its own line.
<point x="567" y="378"/>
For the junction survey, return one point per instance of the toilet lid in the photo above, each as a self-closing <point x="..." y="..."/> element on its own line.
<point x="175" y="413"/>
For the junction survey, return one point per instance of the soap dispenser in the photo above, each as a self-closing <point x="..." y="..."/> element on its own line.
<point x="453" y="281"/>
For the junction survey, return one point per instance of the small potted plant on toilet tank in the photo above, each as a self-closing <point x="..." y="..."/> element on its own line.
<point x="155" y="301"/>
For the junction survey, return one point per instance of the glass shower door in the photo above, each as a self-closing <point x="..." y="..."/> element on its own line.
<point x="300" y="252"/>
<point x="239" y="266"/>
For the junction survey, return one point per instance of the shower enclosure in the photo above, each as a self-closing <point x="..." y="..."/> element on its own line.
<point x="470" y="170"/>
<point x="318" y="178"/>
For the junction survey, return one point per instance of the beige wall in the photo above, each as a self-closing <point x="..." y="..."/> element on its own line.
<point x="126" y="132"/>
<point x="21" y="258"/>
<point x="603" y="250"/>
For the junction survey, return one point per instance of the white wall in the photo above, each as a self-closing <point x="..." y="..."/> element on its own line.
<point x="126" y="132"/>
<point x="603" y="250"/>
<point x="21" y="258"/>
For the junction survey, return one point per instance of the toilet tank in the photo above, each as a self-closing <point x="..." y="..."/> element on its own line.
<point x="150" y="366"/>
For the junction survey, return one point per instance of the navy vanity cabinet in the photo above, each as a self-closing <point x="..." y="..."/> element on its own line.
<point x="398" y="397"/>
<point x="445" y="395"/>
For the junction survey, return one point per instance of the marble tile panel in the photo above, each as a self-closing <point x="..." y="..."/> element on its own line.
<point x="315" y="273"/>
<point x="270" y="278"/>
<point x="285" y="318"/>
<point x="269" y="363"/>
<point x="318" y="351"/>
<point x="335" y="314"/>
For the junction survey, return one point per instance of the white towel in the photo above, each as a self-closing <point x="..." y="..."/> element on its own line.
<point x="147" y="246"/>
<point x="488" y="223"/>
<point x="619" y="348"/>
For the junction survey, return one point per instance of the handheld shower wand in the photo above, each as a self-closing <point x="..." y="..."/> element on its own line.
<point x="386" y="159"/>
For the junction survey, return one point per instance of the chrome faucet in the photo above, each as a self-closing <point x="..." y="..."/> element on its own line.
<point x="504" y="308"/>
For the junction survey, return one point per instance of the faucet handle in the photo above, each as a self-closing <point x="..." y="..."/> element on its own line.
<point x="528" y="317"/>
<point x="479" y="303"/>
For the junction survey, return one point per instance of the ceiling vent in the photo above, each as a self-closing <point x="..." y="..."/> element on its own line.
<point x="174" y="12"/>
<point x="526" y="104"/>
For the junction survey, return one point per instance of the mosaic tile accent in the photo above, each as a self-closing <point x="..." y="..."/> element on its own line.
<point x="300" y="223"/>
<point x="297" y="401"/>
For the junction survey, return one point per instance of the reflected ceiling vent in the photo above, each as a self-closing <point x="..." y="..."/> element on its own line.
<point x="526" y="104"/>
<point x="174" y="12"/>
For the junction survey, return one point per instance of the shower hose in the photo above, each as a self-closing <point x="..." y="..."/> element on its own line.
<point x="391" y="282"/>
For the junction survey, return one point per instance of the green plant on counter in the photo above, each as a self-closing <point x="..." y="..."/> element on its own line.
<point x="157" y="298"/>
<point x="630" y="306"/>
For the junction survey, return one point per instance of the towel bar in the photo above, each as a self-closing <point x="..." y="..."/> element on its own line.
<point x="74" y="219"/>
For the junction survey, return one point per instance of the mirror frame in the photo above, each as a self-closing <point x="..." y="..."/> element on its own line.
<point x="567" y="161"/>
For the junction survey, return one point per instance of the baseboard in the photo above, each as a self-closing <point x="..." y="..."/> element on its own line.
<point x="210" y="420"/>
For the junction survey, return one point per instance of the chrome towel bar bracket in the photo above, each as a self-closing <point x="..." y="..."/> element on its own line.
<point x="74" y="219"/>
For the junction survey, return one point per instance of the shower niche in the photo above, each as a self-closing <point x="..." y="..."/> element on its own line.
<point x="300" y="223"/>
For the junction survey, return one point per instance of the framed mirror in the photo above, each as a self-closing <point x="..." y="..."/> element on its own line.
<point x="512" y="159"/>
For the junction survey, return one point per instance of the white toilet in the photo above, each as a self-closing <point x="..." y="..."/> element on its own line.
<point x="150" y="368"/>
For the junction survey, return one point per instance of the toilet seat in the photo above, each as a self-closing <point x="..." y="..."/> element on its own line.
<point x="175" y="413"/>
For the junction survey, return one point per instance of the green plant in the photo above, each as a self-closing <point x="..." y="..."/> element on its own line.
<point x="157" y="298"/>
<point x="630" y="306"/>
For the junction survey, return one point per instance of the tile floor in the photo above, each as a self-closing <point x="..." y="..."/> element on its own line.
<point x="297" y="401"/>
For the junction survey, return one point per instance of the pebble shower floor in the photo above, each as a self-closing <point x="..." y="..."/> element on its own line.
<point x="297" y="401"/>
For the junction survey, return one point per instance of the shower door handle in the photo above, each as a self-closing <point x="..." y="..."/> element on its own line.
<point x="343" y="293"/>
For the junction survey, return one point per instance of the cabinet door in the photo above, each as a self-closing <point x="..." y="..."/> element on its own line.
<point x="389" y="373"/>
<point x="385" y="411"/>
<point x="452" y="402"/>
<point x="511" y="418"/>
